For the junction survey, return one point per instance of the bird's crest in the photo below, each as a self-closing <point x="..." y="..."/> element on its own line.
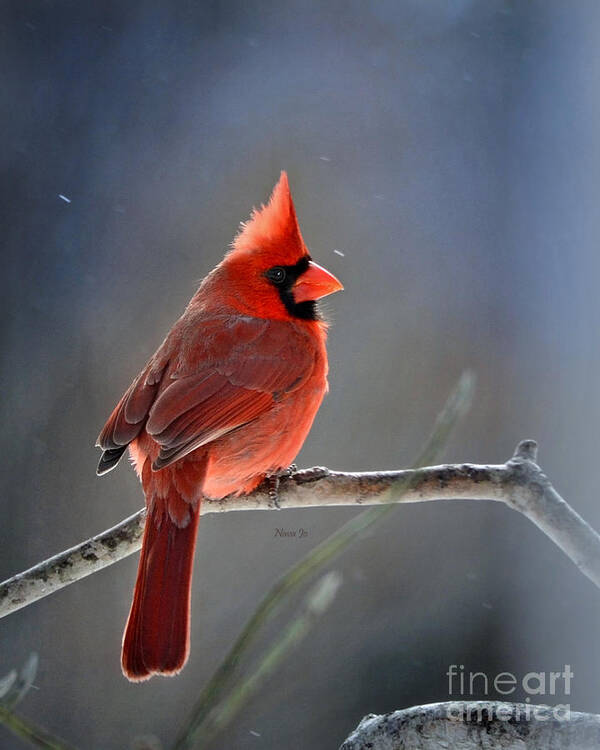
<point x="273" y="224"/>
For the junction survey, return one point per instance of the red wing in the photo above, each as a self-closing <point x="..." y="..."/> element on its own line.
<point x="129" y="415"/>
<point x="210" y="376"/>
<point x="226" y="407"/>
<point x="247" y="375"/>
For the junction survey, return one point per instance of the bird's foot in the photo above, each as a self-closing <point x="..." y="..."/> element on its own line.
<point x="274" y="481"/>
<point x="289" y="472"/>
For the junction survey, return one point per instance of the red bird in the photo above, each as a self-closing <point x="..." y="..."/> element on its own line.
<point x="227" y="400"/>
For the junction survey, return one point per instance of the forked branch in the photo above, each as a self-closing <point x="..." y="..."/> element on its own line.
<point x="519" y="483"/>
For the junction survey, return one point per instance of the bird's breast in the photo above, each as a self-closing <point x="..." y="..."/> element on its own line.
<point x="239" y="461"/>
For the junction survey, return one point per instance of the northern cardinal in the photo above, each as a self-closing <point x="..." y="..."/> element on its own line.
<point x="227" y="400"/>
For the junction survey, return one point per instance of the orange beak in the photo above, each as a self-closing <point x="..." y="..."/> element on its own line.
<point x="314" y="283"/>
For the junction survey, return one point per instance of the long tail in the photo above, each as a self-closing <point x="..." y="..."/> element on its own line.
<point x="157" y="634"/>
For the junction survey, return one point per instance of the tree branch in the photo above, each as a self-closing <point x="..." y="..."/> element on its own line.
<point x="477" y="724"/>
<point x="519" y="483"/>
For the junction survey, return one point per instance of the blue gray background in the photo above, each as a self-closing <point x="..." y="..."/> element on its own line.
<point x="450" y="150"/>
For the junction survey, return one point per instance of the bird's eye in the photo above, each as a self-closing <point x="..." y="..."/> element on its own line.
<point x="277" y="275"/>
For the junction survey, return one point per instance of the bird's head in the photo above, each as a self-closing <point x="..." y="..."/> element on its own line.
<point x="269" y="270"/>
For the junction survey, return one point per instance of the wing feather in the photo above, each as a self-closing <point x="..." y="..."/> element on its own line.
<point x="224" y="373"/>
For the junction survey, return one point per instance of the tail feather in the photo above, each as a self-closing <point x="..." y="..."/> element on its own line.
<point x="157" y="634"/>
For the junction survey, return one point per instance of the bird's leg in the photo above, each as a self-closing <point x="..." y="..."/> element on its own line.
<point x="274" y="481"/>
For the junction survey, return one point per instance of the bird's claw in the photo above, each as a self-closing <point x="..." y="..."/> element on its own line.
<point x="274" y="481"/>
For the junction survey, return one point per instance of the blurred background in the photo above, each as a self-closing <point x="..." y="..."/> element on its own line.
<point x="450" y="151"/>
